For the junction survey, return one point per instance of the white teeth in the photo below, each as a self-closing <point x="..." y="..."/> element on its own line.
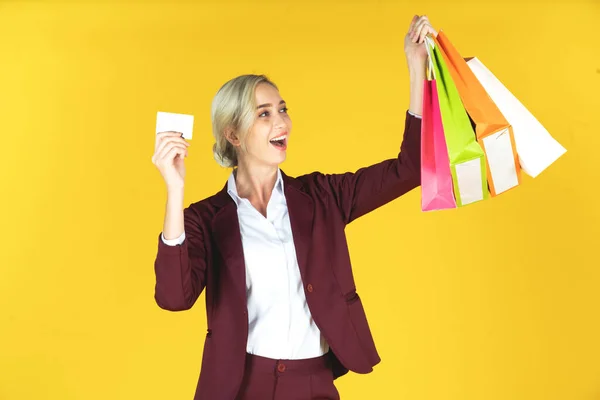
<point x="278" y="139"/>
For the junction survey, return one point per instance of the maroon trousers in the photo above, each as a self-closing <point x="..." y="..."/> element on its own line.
<point x="269" y="379"/>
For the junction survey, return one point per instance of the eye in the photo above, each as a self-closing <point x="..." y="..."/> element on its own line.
<point x="266" y="113"/>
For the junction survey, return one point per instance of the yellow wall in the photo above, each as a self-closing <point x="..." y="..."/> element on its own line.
<point x="499" y="300"/>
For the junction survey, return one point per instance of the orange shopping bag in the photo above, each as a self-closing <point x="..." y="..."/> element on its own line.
<point x="493" y="131"/>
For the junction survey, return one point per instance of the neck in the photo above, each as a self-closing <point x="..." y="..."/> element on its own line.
<point x="255" y="183"/>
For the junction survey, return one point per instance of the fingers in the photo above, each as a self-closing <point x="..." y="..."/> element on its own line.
<point x="164" y="141"/>
<point x="411" y="29"/>
<point x="422" y="27"/>
<point x="165" y="150"/>
<point x="163" y="135"/>
<point x="412" y="23"/>
<point x="169" y="152"/>
<point x="170" y="155"/>
<point x="425" y="30"/>
<point x="176" y="152"/>
<point x="159" y="157"/>
<point x="422" y="22"/>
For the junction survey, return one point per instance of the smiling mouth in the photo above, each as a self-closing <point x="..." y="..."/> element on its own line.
<point x="279" y="142"/>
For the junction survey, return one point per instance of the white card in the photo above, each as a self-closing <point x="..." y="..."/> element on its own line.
<point x="183" y="123"/>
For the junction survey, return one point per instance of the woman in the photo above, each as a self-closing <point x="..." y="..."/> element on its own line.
<point x="284" y="317"/>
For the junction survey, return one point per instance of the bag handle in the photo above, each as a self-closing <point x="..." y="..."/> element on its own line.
<point x="429" y="45"/>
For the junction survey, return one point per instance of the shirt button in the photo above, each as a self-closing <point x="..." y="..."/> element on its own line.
<point x="309" y="288"/>
<point x="281" y="368"/>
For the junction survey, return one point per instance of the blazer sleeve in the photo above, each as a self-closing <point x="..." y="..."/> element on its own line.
<point x="357" y="193"/>
<point x="181" y="269"/>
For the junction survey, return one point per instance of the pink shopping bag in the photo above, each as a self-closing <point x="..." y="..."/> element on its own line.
<point x="436" y="179"/>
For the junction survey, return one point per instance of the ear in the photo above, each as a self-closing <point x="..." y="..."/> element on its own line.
<point x="231" y="137"/>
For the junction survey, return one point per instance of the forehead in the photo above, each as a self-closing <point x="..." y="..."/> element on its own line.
<point x="266" y="93"/>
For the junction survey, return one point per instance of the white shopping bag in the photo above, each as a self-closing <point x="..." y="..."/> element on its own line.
<point x="536" y="148"/>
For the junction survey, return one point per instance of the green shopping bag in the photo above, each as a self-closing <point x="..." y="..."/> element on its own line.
<point x="467" y="159"/>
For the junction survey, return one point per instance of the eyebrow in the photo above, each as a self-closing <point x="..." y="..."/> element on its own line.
<point x="269" y="104"/>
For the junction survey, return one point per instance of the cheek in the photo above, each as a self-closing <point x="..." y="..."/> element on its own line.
<point x="259" y="135"/>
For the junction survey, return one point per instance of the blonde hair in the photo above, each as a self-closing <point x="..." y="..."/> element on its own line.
<point x="233" y="107"/>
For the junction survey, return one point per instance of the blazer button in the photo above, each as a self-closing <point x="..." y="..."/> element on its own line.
<point x="309" y="288"/>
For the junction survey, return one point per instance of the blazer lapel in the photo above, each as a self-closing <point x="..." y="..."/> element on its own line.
<point x="226" y="229"/>
<point x="300" y="210"/>
<point x="227" y="236"/>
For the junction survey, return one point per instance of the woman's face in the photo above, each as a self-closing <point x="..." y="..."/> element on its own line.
<point x="267" y="140"/>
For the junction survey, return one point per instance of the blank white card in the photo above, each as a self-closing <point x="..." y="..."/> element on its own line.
<point x="182" y="123"/>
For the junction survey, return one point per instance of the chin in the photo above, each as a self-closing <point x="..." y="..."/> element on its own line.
<point x="275" y="162"/>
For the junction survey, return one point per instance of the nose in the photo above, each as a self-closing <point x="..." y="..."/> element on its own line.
<point x="279" y="121"/>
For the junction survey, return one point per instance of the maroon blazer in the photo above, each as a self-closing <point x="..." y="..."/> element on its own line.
<point x="319" y="206"/>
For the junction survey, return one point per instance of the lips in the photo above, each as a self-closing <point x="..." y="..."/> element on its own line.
<point x="280" y="141"/>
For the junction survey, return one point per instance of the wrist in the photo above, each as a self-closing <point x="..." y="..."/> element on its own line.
<point x="175" y="191"/>
<point x="417" y="77"/>
<point x="417" y="71"/>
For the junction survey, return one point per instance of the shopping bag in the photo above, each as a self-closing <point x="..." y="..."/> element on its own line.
<point x="492" y="130"/>
<point x="436" y="178"/>
<point x="467" y="160"/>
<point x="536" y="148"/>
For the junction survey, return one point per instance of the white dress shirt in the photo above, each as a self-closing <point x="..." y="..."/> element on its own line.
<point x="280" y="323"/>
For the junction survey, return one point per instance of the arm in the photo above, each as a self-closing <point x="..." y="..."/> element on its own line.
<point x="371" y="187"/>
<point x="181" y="268"/>
<point x="357" y="193"/>
<point x="417" y="77"/>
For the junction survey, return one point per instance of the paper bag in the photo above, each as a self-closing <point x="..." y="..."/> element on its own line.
<point x="467" y="159"/>
<point x="436" y="178"/>
<point x="536" y="148"/>
<point x="492" y="130"/>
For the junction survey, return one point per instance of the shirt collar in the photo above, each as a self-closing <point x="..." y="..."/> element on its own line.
<point x="232" y="189"/>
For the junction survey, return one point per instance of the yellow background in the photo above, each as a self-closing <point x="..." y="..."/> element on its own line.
<point x="498" y="300"/>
